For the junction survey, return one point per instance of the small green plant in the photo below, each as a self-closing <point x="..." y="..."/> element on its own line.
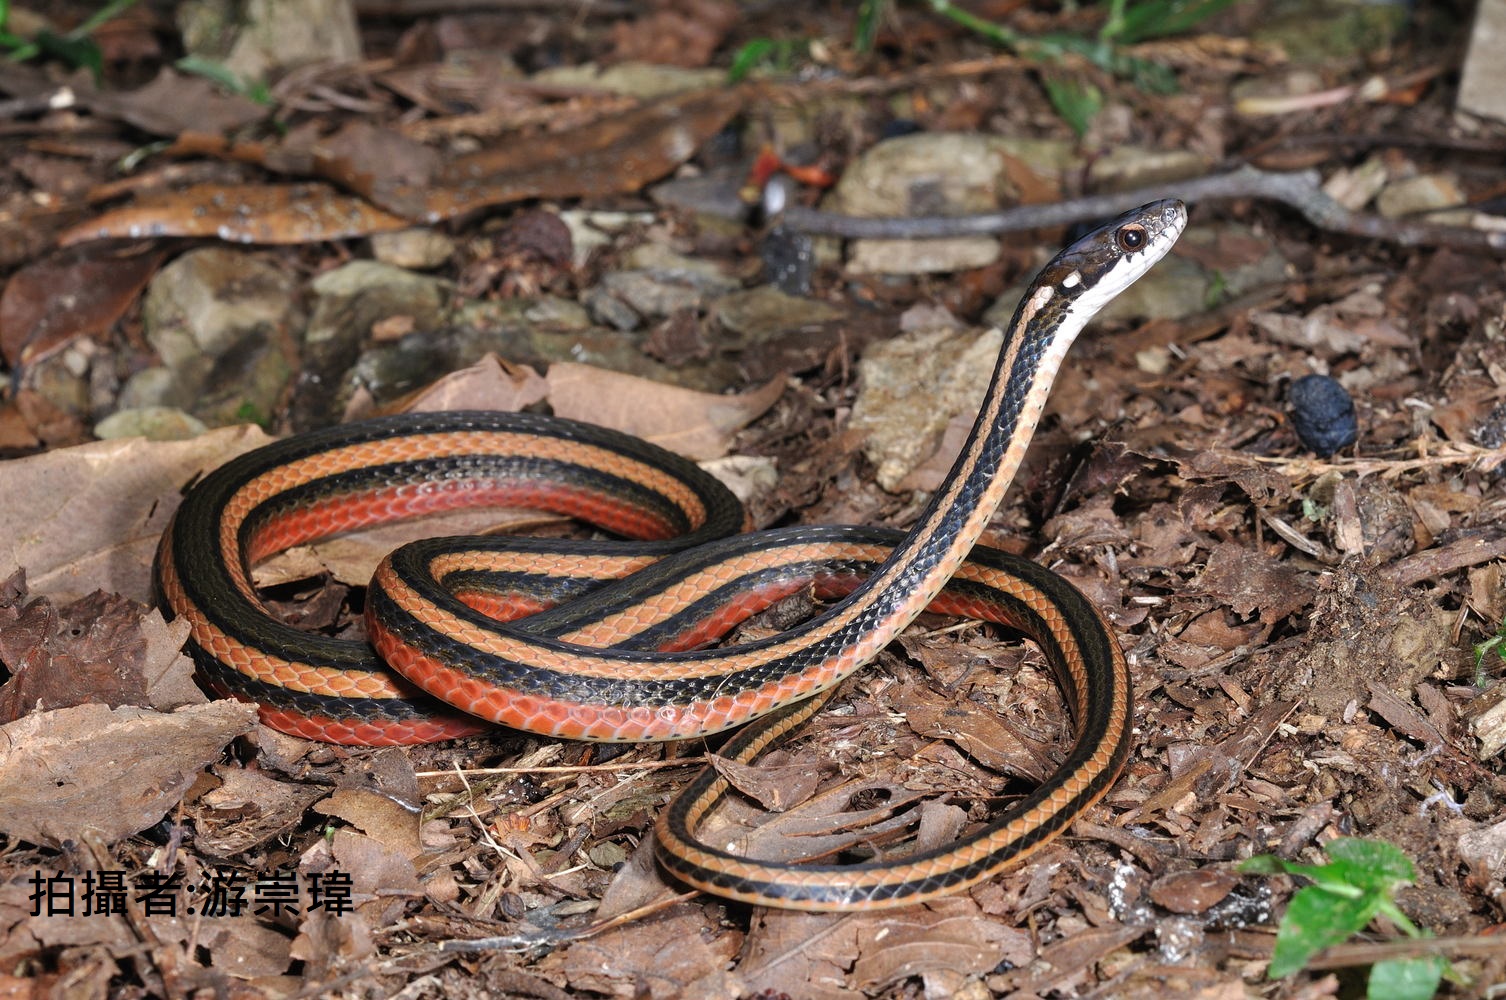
<point x="221" y="76"/>
<point x="76" y="48"/>
<point x="1495" y="644"/>
<point x="1357" y="885"/>
<point x="776" y="54"/>
<point x="1075" y="99"/>
<point x="248" y="412"/>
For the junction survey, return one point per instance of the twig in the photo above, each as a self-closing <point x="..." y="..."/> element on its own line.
<point x="610" y="767"/>
<point x="1345" y="955"/>
<point x="1482" y="546"/>
<point x="1300" y="190"/>
<point x="1449" y="453"/>
<point x="552" y="937"/>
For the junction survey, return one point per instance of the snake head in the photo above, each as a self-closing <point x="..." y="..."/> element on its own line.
<point x="1108" y="260"/>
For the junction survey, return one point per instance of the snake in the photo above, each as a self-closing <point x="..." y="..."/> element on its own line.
<point x="610" y="638"/>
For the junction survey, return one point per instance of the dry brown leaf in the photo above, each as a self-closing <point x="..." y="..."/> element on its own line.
<point x="1487" y="591"/>
<point x="489" y="384"/>
<point x="823" y="825"/>
<point x="613" y="155"/>
<point x="637" y="882"/>
<point x="858" y="955"/>
<point x="700" y="425"/>
<point x="379" y="874"/>
<point x="93" y="651"/>
<point x="247" y="808"/>
<point x="329" y="944"/>
<point x="172" y="103"/>
<point x="240" y="213"/>
<point x="1211" y="770"/>
<point x="245" y="949"/>
<point x="16" y="433"/>
<point x="943" y="943"/>
<point x="980" y="734"/>
<point x="776" y="787"/>
<point x="1193" y="891"/>
<point x="1246" y="581"/>
<point x="390" y="820"/>
<point x="1070" y="959"/>
<point x="89" y="518"/>
<point x="362" y="157"/>
<point x="674" y="33"/>
<point x="665" y="955"/>
<point x="808" y="955"/>
<point x="24" y="936"/>
<point x="47" y="305"/>
<point x="115" y="771"/>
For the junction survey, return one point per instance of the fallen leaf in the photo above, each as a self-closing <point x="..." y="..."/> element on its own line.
<point x="666" y="954"/>
<point x="825" y="957"/>
<point x="1245" y="580"/>
<point x="90" y="517"/>
<point x="240" y="213"/>
<point x="775" y="787"/>
<point x="92" y="651"/>
<point x="247" y="809"/>
<point x="48" y="305"/>
<point x="699" y="425"/>
<point x="489" y="384"/>
<point x="981" y="735"/>
<point x="612" y="155"/>
<point x="172" y="103"/>
<point x="674" y="33"/>
<point x="112" y="770"/>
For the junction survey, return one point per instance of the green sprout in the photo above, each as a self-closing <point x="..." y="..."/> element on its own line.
<point x="1077" y="100"/>
<point x="1495" y="644"/>
<point x="75" y="47"/>
<point x="1357" y="885"/>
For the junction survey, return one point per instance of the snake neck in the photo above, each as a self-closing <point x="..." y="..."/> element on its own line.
<point x="954" y="520"/>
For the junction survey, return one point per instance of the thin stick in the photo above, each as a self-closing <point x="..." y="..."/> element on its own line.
<point x="1299" y="189"/>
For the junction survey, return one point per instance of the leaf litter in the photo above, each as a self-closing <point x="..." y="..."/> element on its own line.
<point x="1299" y="627"/>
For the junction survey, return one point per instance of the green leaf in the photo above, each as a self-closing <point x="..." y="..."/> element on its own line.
<point x="1406" y="978"/>
<point x="1357" y="866"/>
<point x="1263" y="864"/>
<point x="1077" y="100"/>
<point x="79" y="52"/>
<point x="221" y="76"/>
<point x="1373" y="865"/>
<point x="248" y="412"/>
<point x="1159" y="18"/>
<point x="748" y="58"/>
<point x="865" y="29"/>
<point x="1317" y="919"/>
<point x="105" y="13"/>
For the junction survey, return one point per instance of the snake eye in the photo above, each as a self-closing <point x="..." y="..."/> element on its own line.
<point x="1131" y="237"/>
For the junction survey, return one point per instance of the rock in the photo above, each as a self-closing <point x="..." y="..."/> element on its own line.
<point x="256" y="39"/>
<point x="349" y="302"/>
<point x="1424" y="193"/>
<point x="156" y="423"/>
<point x="224" y="323"/>
<point x="1482" y="87"/>
<point x="921" y="175"/>
<point x="415" y="249"/>
<point x="912" y="386"/>
<point x="760" y="313"/>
